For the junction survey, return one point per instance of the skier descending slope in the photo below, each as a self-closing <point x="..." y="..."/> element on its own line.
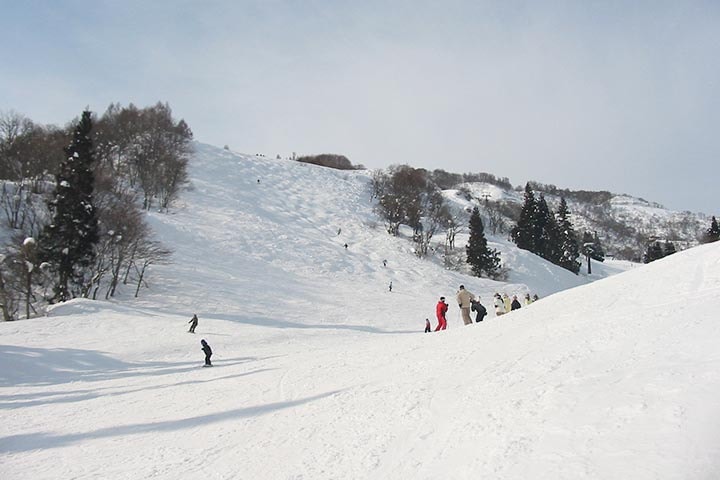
<point x="208" y="352"/>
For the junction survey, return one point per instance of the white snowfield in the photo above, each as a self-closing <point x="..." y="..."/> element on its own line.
<point x="322" y="373"/>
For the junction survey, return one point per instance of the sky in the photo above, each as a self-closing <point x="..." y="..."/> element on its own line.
<point x="618" y="96"/>
<point x="322" y="373"/>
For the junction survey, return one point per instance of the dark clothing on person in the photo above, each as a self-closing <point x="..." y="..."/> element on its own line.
<point x="208" y="352"/>
<point x="427" y="325"/>
<point x="515" y="304"/>
<point x="194" y="322"/>
<point x="478" y="307"/>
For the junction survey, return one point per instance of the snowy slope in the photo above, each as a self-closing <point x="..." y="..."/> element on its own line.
<point x="321" y="373"/>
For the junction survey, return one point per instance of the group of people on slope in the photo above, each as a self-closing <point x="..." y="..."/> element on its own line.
<point x="503" y="304"/>
<point x="468" y="302"/>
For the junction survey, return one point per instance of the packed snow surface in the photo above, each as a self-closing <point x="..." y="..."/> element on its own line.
<point x="322" y="373"/>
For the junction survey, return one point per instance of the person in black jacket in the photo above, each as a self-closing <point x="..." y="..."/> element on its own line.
<point x="478" y="307"/>
<point x="208" y="352"/>
<point x="193" y="323"/>
<point x="515" y="305"/>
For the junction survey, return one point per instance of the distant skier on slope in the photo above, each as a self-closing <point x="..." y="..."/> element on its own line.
<point x="428" y="328"/>
<point x="208" y="352"/>
<point x="440" y="310"/>
<point x="193" y="323"/>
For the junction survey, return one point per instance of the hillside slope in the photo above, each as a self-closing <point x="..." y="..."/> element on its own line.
<point x="322" y="373"/>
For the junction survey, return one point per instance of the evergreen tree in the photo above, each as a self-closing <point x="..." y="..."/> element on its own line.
<point x="712" y="234"/>
<point x="654" y="252"/>
<point x="479" y="256"/>
<point x="591" y="246"/>
<point x="545" y="232"/>
<point x="523" y="234"/>
<point x="598" y="252"/>
<point x="669" y="248"/>
<point x="569" y="251"/>
<point x="67" y="242"/>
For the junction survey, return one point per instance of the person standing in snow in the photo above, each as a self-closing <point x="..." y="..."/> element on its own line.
<point x="499" y="305"/>
<point x="508" y="303"/>
<point x="478" y="307"/>
<point x="528" y="300"/>
<point x="193" y="323"/>
<point x="440" y="311"/>
<point x="390" y="287"/>
<point x="464" y="298"/>
<point x="515" y="305"/>
<point x="208" y="352"/>
<point x="427" y="325"/>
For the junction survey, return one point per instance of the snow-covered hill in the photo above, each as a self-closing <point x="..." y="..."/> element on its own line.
<point x="322" y="373"/>
<point x="624" y="224"/>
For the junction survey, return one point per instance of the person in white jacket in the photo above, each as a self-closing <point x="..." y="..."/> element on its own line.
<point x="499" y="305"/>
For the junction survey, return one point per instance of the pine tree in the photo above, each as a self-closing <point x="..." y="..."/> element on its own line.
<point x="569" y="251"/>
<point x="712" y="234"/>
<point x="67" y="242"/>
<point x="545" y="232"/>
<point x="479" y="256"/>
<point x="669" y="248"/>
<point x="653" y="252"/>
<point x="523" y="234"/>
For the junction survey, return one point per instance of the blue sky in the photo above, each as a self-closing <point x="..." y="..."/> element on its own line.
<point x="619" y="96"/>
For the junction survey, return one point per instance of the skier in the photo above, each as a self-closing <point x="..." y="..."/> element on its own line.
<point x="440" y="310"/>
<point x="464" y="298"/>
<point x="499" y="305"/>
<point x="193" y="323"/>
<point x="535" y="298"/>
<point x="384" y="263"/>
<point x="427" y="325"/>
<point x="515" y="305"/>
<point x="346" y="245"/>
<point x="390" y="286"/>
<point x="208" y="352"/>
<point x="478" y="307"/>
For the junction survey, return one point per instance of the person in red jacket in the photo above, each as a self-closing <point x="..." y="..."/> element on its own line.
<point x="440" y="310"/>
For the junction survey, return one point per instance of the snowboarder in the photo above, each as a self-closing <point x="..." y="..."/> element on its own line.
<point x="427" y="325"/>
<point x="464" y="298"/>
<point x="208" y="352"/>
<point x="515" y="305"/>
<point x="478" y="307"/>
<point x="390" y="286"/>
<point x="193" y="323"/>
<point x="440" y="310"/>
<point x="499" y="305"/>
